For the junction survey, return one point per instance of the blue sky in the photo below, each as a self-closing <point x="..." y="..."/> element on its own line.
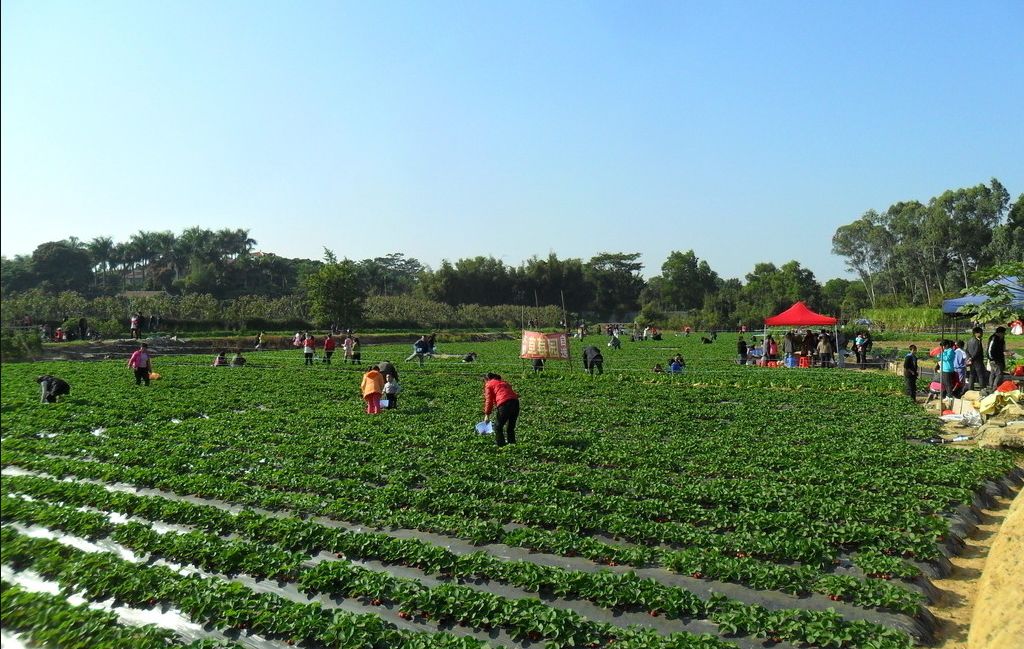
<point x="746" y="131"/>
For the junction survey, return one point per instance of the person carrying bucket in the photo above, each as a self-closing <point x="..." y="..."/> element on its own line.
<point x="499" y="396"/>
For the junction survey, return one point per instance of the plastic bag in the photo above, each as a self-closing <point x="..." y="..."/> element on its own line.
<point x="484" y="428"/>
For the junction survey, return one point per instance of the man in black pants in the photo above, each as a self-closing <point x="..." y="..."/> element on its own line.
<point x="592" y="359"/>
<point x="52" y="387"/>
<point x="996" y="357"/>
<point x="910" y="373"/>
<point x="976" y="360"/>
<point x="499" y="395"/>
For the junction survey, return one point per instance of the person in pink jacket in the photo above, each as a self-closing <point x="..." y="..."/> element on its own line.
<point x="141" y="364"/>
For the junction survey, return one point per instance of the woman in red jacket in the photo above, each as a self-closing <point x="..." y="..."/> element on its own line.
<point x="499" y="395"/>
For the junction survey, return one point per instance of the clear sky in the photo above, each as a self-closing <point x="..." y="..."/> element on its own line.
<point x="747" y="131"/>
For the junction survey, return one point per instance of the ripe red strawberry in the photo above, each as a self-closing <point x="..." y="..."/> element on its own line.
<point x="697" y="575"/>
<point x="653" y="613"/>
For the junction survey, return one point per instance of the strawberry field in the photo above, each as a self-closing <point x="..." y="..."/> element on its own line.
<point x="261" y="506"/>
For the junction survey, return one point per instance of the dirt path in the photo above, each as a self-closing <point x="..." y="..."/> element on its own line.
<point x="956" y="609"/>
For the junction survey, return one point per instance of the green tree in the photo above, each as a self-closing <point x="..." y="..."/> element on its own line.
<point x="687" y="280"/>
<point x="973" y="212"/>
<point x="59" y="266"/>
<point x="1002" y="305"/>
<point x="615" y="281"/>
<point x="334" y="294"/>
<point x="546" y="281"/>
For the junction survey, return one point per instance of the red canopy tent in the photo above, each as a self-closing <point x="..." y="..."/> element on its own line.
<point x="799" y="315"/>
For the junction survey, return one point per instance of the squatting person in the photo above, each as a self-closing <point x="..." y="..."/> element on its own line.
<point x="52" y="387"/>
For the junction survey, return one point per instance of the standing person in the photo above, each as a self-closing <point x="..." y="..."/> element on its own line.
<point x="771" y="348"/>
<point x="391" y="390"/>
<point x="259" y="342"/>
<point x="788" y="345"/>
<point x="357" y="354"/>
<point x="824" y="349"/>
<point x="83" y="328"/>
<point x="592" y="358"/>
<point x="141" y="364"/>
<point x="347" y="346"/>
<point x="996" y="357"/>
<point x="499" y="395"/>
<point x="858" y="349"/>
<point x="308" y="348"/>
<point x="808" y="345"/>
<point x="976" y="360"/>
<point x="742" y="350"/>
<point x="134" y="322"/>
<point x="947" y="367"/>
<point x="432" y="345"/>
<point x="910" y="372"/>
<point x="328" y="349"/>
<point x="960" y="362"/>
<point x="52" y="387"/>
<point x="841" y="349"/>
<point x="372" y="387"/>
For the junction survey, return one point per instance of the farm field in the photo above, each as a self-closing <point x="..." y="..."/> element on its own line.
<point x="260" y="506"/>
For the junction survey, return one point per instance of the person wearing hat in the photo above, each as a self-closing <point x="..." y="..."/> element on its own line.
<point x="499" y="396"/>
<point x="52" y="387"/>
<point x="996" y="357"/>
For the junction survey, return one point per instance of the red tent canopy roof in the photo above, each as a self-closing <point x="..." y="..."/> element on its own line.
<point x="799" y="315"/>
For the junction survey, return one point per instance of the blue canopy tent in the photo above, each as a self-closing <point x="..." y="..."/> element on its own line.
<point x="952" y="306"/>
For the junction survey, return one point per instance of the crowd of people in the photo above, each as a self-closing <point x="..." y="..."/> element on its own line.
<point x="821" y="349"/>
<point x="960" y="366"/>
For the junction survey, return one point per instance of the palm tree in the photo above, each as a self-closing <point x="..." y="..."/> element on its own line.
<point x="166" y="247"/>
<point x="101" y="249"/>
<point x="144" y="245"/>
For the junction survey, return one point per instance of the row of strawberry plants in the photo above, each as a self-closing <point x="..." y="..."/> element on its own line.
<point x="100" y="576"/>
<point x="522" y="616"/>
<point x="358" y="504"/>
<point x="696" y="563"/>
<point x="50" y="620"/>
<point x="634" y="522"/>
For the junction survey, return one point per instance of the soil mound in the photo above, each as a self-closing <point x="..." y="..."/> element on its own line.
<point x="998" y="621"/>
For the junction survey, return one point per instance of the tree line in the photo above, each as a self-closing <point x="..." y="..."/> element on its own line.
<point x="919" y="253"/>
<point x="911" y="254"/>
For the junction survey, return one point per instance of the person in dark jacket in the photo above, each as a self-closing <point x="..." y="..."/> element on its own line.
<point x="976" y="360"/>
<point x="386" y="369"/>
<point x="592" y="359"/>
<point x="742" y="350"/>
<point x="910" y="373"/>
<point x="52" y="387"/>
<point x="996" y="357"/>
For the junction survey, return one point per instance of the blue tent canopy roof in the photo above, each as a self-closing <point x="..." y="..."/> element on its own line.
<point x="952" y="306"/>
